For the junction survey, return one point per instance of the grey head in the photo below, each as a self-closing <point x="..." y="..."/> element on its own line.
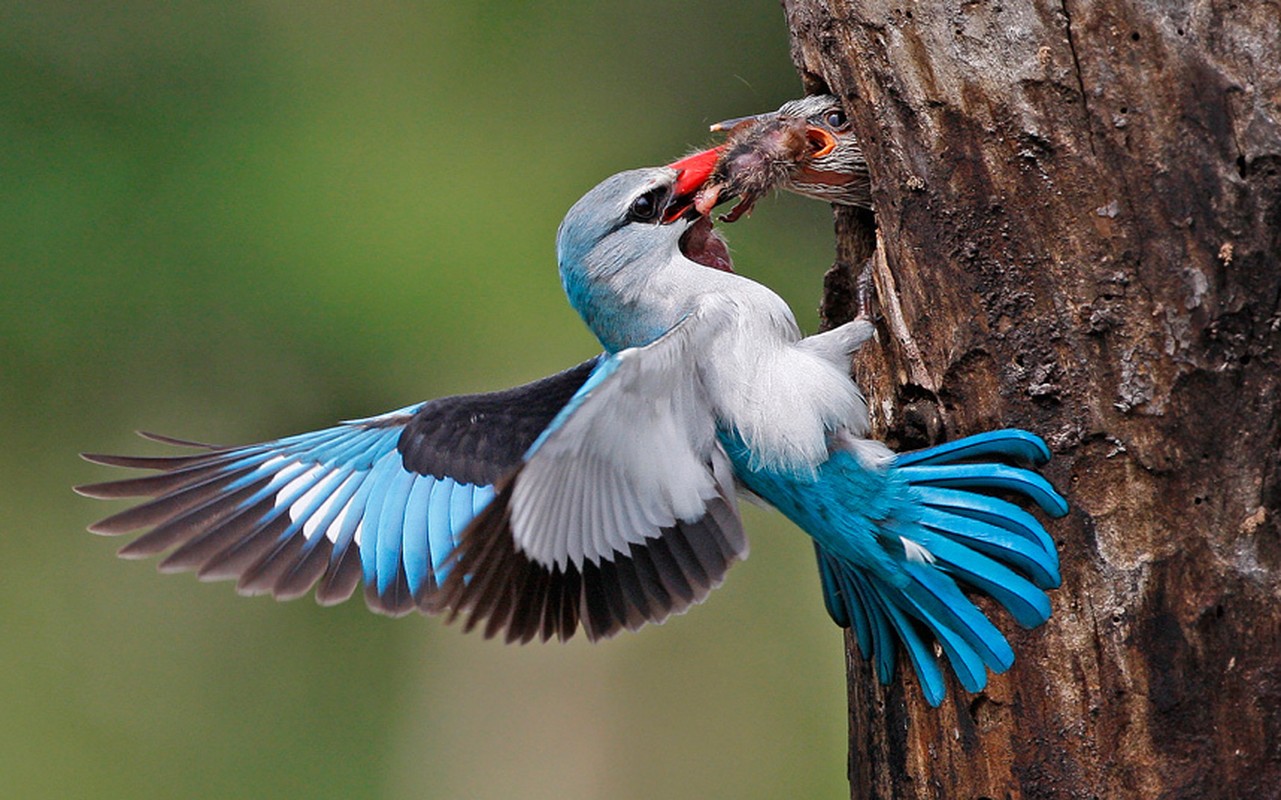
<point x="629" y="228"/>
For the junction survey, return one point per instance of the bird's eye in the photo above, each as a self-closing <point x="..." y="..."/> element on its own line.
<point x="835" y="118"/>
<point x="645" y="208"/>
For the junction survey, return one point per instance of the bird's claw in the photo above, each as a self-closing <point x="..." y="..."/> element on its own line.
<point x="864" y="289"/>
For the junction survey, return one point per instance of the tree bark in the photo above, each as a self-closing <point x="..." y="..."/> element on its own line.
<point x="1079" y="214"/>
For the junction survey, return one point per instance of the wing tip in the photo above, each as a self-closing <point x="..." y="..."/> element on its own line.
<point x="176" y="442"/>
<point x="94" y="491"/>
<point x="112" y="526"/>
<point x="104" y="459"/>
<point x="98" y="529"/>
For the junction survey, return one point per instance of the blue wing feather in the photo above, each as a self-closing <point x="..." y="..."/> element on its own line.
<point x="199" y="549"/>
<point x="603" y="369"/>
<point x="387" y="485"/>
<point x="322" y="489"/>
<point x="382" y="477"/>
<point x="391" y="525"/>
<point x="461" y="509"/>
<point x="333" y="507"/>
<point x="441" y="537"/>
<point x="416" y="552"/>
<point x="481" y="496"/>
<point x="349" y="521"/>
<point x="313" y="520"/>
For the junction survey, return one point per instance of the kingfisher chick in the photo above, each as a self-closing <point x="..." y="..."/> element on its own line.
<point x="806" y="147"/>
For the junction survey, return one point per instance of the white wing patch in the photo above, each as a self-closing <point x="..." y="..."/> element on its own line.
<point x="630" y="455"/>
<point x="322" y="520"/>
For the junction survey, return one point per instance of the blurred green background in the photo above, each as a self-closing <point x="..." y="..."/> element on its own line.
<point x="232" y="221"/>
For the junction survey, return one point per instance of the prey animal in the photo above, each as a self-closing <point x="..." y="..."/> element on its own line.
<point x="806" y="147"/>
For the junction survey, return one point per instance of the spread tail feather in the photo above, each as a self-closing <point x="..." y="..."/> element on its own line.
<point x="952" y="536"/>
<point x="1006" y="443"/>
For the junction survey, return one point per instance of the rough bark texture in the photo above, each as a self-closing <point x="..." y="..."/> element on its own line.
<point x="1079" y="206"/>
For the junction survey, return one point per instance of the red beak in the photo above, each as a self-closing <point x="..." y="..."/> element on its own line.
<point x="695" y="169"/>
<point x="692" y="172"/>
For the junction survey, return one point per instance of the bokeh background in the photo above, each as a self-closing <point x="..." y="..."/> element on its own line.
<point x="230" y="221"/>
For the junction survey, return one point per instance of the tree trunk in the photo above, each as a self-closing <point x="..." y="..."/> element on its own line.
<point x="1079" y="212"/>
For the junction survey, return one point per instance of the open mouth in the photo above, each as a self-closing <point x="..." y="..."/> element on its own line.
<point x="703" y="245"/>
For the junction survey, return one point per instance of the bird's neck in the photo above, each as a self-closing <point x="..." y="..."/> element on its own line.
<point x="633" y="307"/>
<point x="618" y="322"/>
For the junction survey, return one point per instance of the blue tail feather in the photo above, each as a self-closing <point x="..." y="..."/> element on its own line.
<point x="883" y="648"/>
<point x="997" y="542"/>
<point x="919" y="653"/>
<point x="1008" y="443"/>
<point x="845" y="603"/>
<point x="833" y="593"/>
<point x="998" y="477"/>
<point x="1026" y="603"/>
<point x="967" y="663"/>
<point x="935" y="592"/>
<point x="850" y="593"/>
<point x="993" y="511"/>
<point x="850" y="600"/>
<point x="900" y="548"/>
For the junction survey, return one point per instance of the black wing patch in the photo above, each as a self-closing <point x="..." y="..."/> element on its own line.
<point x="493" y="582"/>
<point x="479" y="438"/>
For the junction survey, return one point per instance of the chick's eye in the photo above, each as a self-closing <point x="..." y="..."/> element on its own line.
<point x="835" y="118"/>
<point x="644" y="208"/>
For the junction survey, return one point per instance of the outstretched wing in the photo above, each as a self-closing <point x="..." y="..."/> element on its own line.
<point x="622" y="513"/>
<point x="379" y="500"/>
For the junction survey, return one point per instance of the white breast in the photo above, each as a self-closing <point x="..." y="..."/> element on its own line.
<point x="789" y="398"/>
<point x="784" y="398"/>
